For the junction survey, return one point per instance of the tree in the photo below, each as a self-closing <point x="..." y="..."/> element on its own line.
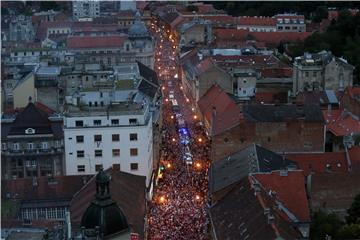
<point x="320" y="13"/>
<point x="192" y="8"/>
<point x="354" y="211"/>
<point x="351" y="231"/>
<point x="324" y="224"/>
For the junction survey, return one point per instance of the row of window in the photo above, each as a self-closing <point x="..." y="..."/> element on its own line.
<point x="133" y="167"/>
<point x="31" y="145"/>
<point x="80" y="123"/>
<point x="99" y="153"/>
<point x="114" y="138"/>
<point x="43" y="213"/>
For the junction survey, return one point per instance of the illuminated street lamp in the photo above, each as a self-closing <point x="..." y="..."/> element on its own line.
<point x="197" y="197"/>
<point x="172" y="117"/>
<point x="163" y="88"/>
<point x="195" y="117"/>
<point x="198" y="165"/>
<point x="162" y="199"/>
<point x="168" y="165"/>
<point x="181" y="87"/>
<point x="200" y="140"/>
<point x="166" y="100"/>
<point x="187" y="100"/>
<point x="173" y="139"/>
<point x="176" y="76"/>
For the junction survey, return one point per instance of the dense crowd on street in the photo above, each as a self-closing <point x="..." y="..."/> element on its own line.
<point x="178" y="209"/>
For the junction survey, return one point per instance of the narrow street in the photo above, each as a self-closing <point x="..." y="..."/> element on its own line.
<point x="178" y="209"/>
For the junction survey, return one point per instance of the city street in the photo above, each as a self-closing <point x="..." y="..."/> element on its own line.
<point x="179" y="206"/>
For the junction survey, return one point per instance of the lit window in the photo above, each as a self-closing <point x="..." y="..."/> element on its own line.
<point x="133" y="151"/>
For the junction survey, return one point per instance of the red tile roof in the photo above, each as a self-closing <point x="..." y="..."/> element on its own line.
<point x="271" y="97"/>
<point x="231" y="34"/>
<point x="341" y="122"/>
<point x="290" y="190"/>
<point x="277" y="37"/>
<point x="95" y="41"/>
<point x="204" y="65"/>
<point x="227" y="113"/>
<point x="257" y="21"/>
<point x="38" y="105"/>
<point x="320" y="162"/>
<point x="277" y="72"/>
<point x="354" y="92"/>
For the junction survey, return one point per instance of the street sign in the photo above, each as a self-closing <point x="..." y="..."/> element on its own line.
<point x="134" y="236"/>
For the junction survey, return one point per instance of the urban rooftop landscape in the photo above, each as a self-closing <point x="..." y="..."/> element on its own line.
<point x="180" y="120"/>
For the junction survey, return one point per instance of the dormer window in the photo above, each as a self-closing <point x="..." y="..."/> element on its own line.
<point x="29" y="131"/>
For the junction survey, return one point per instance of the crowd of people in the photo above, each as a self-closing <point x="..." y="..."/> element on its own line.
<point x="179" y="206"/>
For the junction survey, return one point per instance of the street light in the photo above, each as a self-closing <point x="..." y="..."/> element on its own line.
<point x="173" y="139"/>
<point x="172" y="117"/>
<point x="187" y="100"/>
<point x="198" y="165"/>
<point x="168" y="165"/>
<point x="195" y="117"/>
<point x="197" y="197"/>
<point x="162" y="199"/>
<point x="200" y="140"/>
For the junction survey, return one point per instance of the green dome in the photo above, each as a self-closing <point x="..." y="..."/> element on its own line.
<point x="106" y="215"/>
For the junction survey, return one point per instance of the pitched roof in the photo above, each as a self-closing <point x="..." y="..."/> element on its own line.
<point x="227" y="113"/>
<point x="354" y="92"/>
<point x="275" y="38"/>
<point x="231" y="34"/>
<point x="127" y="190"/>
<point x="31" y="117"/>
<point x="323" y="98"/>
<point x="53" y="189"/>
<point x="282" y="113"/>
<point x="76" y="42"/>
<point x="239" y="215"/>
<point x="341" y="122"/>
<point x="150" y="84"/>
<point x="257" y="21"/>
<point x="290" y="190"/>
<point x="237" y="166"/>
<point x="320" y="162"/>
<point x="277" y="72"/>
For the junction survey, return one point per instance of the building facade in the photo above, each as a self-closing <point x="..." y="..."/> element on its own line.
<point x="86" y="9"/>
<point x="32" y="144"/>
<point x="321" y="71"/>
<point x="117" y="136"/>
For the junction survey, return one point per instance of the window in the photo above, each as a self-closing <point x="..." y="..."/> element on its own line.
<point x="116" y="167"/>
<point x="79" y="139"/>
<point x="268" y="139"/>
<point x="306" y="74"/>
<point x="79" y="123"/>
<point x="98" y="167"/>
<point x="133" y="151"/>
<point x="314" y="74"/>
<point x="97" y="122"/>
<point x="16" y="146"/>
<point x="44" y="145"/>
<point x="81" y="168"/>
<point x="115" y="137"/>
<point x="116" y="152"/>
<point x="114" y="121"/>
<point x="80" y="153"/>
<point x="132" y="121"/>
<point x="101" y="94"/>
<point x="134" y="166"/>
<point x="97" y="138"/>
<point x="30" y="146"/>
<point x="98" y="153"/>
<point x="133" y="137"/>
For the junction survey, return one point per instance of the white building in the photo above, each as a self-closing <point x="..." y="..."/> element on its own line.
<point x="111" y="124"/>
<point x="118" y="136"/>
<point x="86" y="9"/>
<point x="245" y="82"/>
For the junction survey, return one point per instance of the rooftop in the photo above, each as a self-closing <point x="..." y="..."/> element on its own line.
<point x="121" y="108"/>
<point x="342" y="122"/>
<point x="235" y="167"/>
<point x="282" y="113"/>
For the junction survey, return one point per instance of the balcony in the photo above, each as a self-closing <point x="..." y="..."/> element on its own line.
<point x="35" y="151"/>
